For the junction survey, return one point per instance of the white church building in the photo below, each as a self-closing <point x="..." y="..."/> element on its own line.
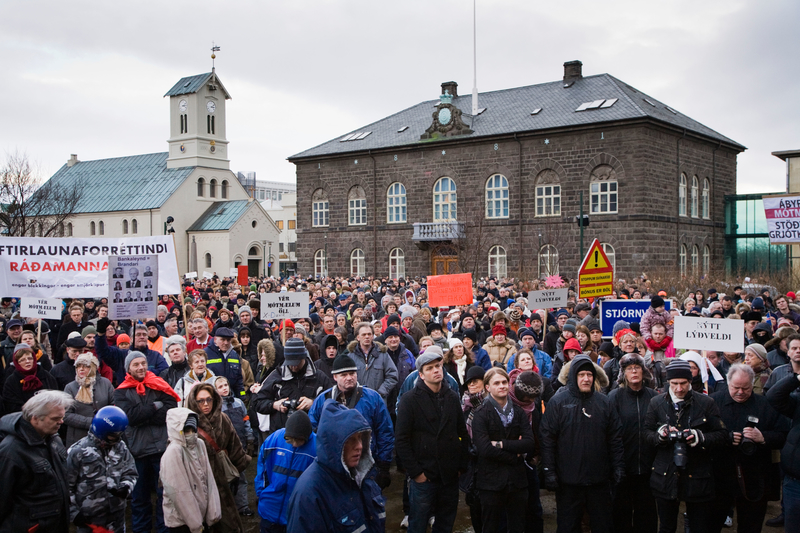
<point x="217" y="224"/>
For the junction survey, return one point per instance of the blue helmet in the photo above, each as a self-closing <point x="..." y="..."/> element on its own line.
<point x="108" y="420"/>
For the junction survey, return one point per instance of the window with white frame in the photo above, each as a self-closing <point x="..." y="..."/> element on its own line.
<point x="695" y="259"/>
<point x="212" y="188"/>
<point x="357" y="207"/>
<point x="497" y="197"/>
<point x="396" y="203"/>
<point x="706" y="197"/>
<point x="320" y="264"/>
<point x="603" y="197"/>
<point x="682" y="196"/>
<point x="612" y="256"/>
<point x="101" y="228"/>
<point x="693" y="196"/>
<point x="548" y="261"/>
<point x="201" y="184"/>
<point x="319" y="208"/>
<point x="444" y="200"/>
<point x="134" y="226"/>
<point x="69" y="229"/>
<point x="682" y="260"/>
<point x="357" y="263"/>
<point x="397" y="263"/>
<point x="706" y="259"/>
<point x="548" y="200"/>
<point x="497" y="262"/>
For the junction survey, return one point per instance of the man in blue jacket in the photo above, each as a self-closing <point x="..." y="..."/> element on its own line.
<point x="285" y="455"/>
<point x="335" y="493"/>
<point x="224" y="361"/>
<point x="366" y="401"/>
<point x="115" y="357"/>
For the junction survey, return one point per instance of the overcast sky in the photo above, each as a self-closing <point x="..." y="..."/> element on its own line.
<point x="88" y="77"/>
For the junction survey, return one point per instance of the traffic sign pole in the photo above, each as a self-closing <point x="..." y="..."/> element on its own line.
<point x="596" y="274"/>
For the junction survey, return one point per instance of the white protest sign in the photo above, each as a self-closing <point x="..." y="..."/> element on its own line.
<point x="41" y="308"/>
<point x="190" y="275"/>
<point x="783" y="218"/>
<point x="717" y="334"/>
<point x="548" y="298"/>
<point x="234" y="272"/>
<point x="207" y="274"/>
<point x="133" y="284"/>
<point x="280" y="305"/>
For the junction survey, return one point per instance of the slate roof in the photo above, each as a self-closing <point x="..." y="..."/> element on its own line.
<point x="509" y="111"/>
<point x="192" y="84"/>
<point x="220" y="216"/>
<point x="122" y="183"/>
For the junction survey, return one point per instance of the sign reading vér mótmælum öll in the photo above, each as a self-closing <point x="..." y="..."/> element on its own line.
<point x="280" y="305"/>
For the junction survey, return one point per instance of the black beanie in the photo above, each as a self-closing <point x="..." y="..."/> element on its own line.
<point x="298" y="425"/>
<point x="475" y="372"/>
<point x="607" y="348"/>
<point x="191" y="422"/>
<point x="656" y="301"/>
<point x="679" y="369"/>
<point x="528" y="384"/>
<point x="343" y="363"/>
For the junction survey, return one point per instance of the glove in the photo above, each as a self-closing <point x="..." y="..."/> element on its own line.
<point x="251" y="448"/>
<point x="121" y="493"/>
<point x="697" y="438"/>
<point x="619" y="475"/>
<point x="382" y="477"/>
<point x="158" y="405"/>
<point x="663" y="433"/>
<point x="102" y="326"/>
<point x="550" y="481"/>
<point x="80" y="520"/>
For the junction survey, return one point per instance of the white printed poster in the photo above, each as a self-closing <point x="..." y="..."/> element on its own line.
<point x="548" y="298"/>
<point x="719" y="335"/>
<point x="280" y="305"/>
<point x="133" y="286"/>
<point x="41" y="308"/>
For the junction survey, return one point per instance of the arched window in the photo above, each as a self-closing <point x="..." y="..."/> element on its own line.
<point x="253" y="251"/>
<point x="208" y="260"/>
<point x="695" y="259"/>
<point x="397" y="263"/>
<point x="603" y="190"/>
<point x="357" y="263"/>
<point x="41" y="229"/>
<point x="706" y="259"/>
<point x="548" y="194"/>
<point x="682" y="196"/>
<point x="357" y="206"/>
<point x="497" y="262"/>
<point x="706" y="197"/>
<point x="682" y="260"/>
<point x="320" y="264"/>
<point x="396" y="203"/>
<point x="201" y="187"/>
<point x="224" y="190"/>
<point x="444" y="200"/>
<point x="548" y="261"/>
<point x="91" y="228"/>
<point x="497" y="197"/>
<point x="124" y="227"/>
<point x="69" y="229"/>
<point x="612" y="256"/>
<point x="319" y="208"/>
<point x="60" y="229"/>
<point x="212" y="188"/>
<point x="101" y="228"/>
<point x="134" y="226"/>
<point x="695" y="191"/>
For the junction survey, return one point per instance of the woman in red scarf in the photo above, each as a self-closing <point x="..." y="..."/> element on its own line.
<point x="27" y="379"/>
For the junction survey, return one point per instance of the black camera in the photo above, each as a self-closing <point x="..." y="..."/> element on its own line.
<point x="678" y="439"/>
<point x="747" y="446"/>
<point x="291" y="406"/>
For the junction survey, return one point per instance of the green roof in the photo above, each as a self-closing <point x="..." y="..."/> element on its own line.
<point x="221" y="216"/>
<point x="123" y="183"/>
<point x="192" y="84"/>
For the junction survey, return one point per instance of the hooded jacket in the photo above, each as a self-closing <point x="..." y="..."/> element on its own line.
<point x="329" y="497"/>
<point x="325" y="363"/>
<point x="376" y="369"/>
<point x="581" y="433"/>
<point x="191" y="497"/>
<point x="34" y="491"/>
<point x="500" y="353"/>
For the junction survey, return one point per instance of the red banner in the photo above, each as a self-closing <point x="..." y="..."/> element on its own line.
<point x="453" y="289"/>
<point x="242" y="277"/>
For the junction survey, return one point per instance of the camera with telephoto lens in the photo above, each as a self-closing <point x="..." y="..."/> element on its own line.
<point x="291" y="406"/>
<point x="747" y="446"/>
<point x="678" y="439"/>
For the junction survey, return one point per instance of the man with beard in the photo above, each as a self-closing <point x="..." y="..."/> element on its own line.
<point x="115" y="357"/>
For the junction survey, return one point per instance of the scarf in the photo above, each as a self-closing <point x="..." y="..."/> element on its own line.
<point x="461" y="367"/>
<point x="150" y="381"/>
<point x="526" y="406"/>
<point x="30" y="381"/>
<point x="506" y="413"/>
<point x="658" y="346"/>
<point x="86" y="390"/>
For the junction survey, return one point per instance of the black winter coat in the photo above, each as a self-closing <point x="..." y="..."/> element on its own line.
<point x="175" y="372"/>
<point x="147" y="426"/>
<point x="431" y="433"/>
<point x="34" y="491"/>
<point x="695" y="482"/>
<point x="783" y="398"/>
<point x="631" y="407"/>
<point x="581" y="434"/>
<point x="760" y="474"/>
<point x="13" y="395"/>
<point x="281" y="384"/>
<point x="501" y="469"/>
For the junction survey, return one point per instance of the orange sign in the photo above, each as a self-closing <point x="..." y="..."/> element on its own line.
<point x="596" y="275"/>
<point x="242" y="277"/>
<point x="452" y="289"/>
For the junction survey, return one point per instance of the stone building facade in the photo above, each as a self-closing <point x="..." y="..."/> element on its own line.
<point x="653" y="182"/>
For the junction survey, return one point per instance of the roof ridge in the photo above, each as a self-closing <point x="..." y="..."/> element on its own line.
<point x="624" y="92"/>
<point x="125" y="157"/>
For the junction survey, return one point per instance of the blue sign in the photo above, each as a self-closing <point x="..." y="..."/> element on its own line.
<point x="612" y="311"/>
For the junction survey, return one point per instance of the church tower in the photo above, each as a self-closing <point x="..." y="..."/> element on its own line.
<point x="197" y="123"/>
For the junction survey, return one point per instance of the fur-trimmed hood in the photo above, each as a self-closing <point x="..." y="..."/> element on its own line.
<point x="266" y="347"/>
<point x="601" y="379"/>
<point x="351" y="346"/>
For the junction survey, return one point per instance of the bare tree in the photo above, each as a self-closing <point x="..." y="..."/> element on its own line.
<point x="472" y="244"/>
<point x="30" y="206"/>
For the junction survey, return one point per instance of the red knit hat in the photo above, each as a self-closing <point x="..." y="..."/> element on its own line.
<point x="123" y="338"/>
<point x="288" y="323"/>
<point x="498" y="329"/>
<point x="572" y="344"/>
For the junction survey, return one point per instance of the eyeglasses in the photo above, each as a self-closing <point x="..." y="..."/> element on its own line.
<point x="204" y="400"/>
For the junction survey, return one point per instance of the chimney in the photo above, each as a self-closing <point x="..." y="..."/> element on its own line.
<point x="73" y="158"/>
<point x="573" y="70"/>
<point x="451" y="87"/>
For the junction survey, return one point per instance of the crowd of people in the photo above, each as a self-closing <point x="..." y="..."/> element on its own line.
<point x="496" y="399"/>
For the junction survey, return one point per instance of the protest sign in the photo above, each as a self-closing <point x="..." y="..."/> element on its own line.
<point x="207" y="274"/>
<point x="242" y="275"/>
<point x="548" y="298"/>
<point x="628" y="310"/>
<point x="132" y="280"/>
<point x="76" y="268"/>
<point x="281" y="305"/>
<point x="719" y="335"/>
<point x="451" y="289"/>
<point x="190" y="275"/>
<point x="41" y="308"/>
<point x="234" y="272"/>
<point x="782" y="212"/>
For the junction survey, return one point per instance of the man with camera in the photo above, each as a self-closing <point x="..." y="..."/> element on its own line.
<point x="744" y="472"/>
<point x="292" y="386"/>
<point x="685" y="427"/>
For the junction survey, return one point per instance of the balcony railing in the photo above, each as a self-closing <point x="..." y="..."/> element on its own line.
<point x="438" y="231"/>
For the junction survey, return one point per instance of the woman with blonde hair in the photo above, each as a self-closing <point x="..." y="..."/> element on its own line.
<point x="91" y="391"/>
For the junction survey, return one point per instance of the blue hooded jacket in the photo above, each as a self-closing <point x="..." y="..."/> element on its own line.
<point x="327" y="497"/>
<point x="543" y="362"/>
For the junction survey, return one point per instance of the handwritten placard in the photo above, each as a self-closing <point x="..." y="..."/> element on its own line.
<point x="41" y="308"/>
<point x="548" y="298"/>
<point x="717" y="334"/>
<point x="451" y="289"/>
<point x="280" y="305"/>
